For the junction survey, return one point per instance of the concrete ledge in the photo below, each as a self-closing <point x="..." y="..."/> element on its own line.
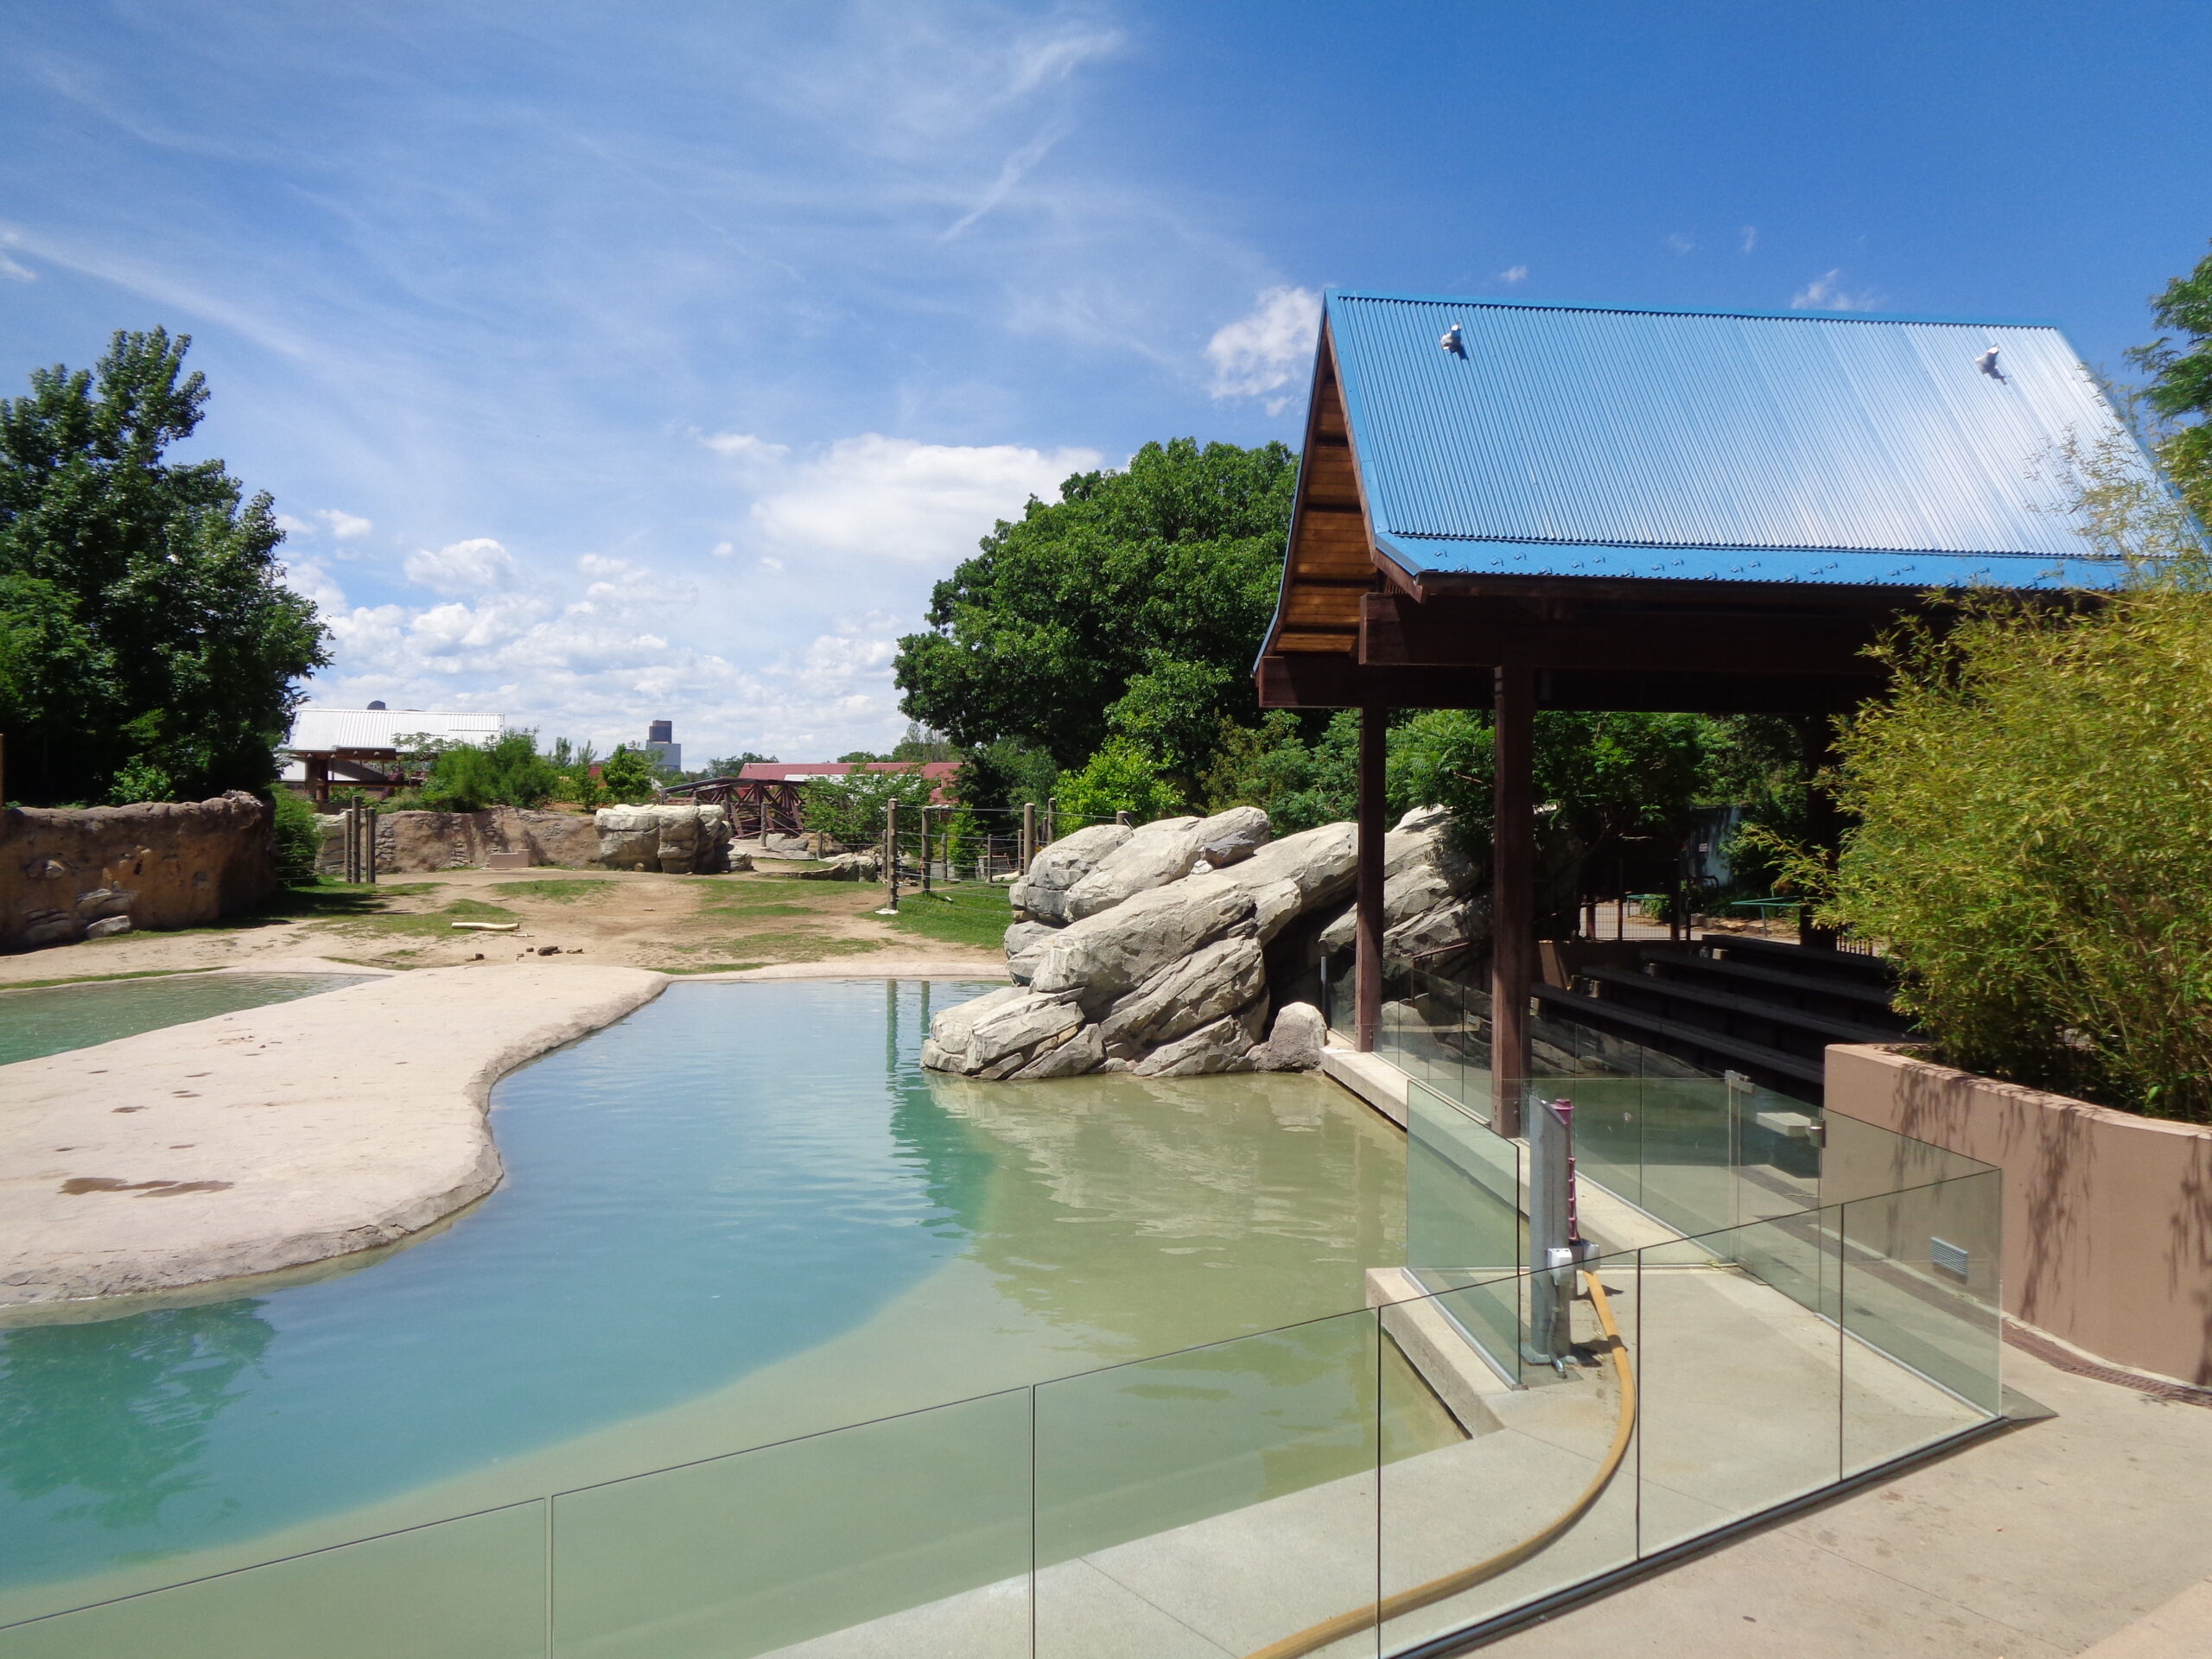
<point x="276" y="1136"/>
<point x="1374" y="1079"/>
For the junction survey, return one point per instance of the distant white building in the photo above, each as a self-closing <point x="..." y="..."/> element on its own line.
<point x="661" y="744"/>
<point x="358" y="748"/>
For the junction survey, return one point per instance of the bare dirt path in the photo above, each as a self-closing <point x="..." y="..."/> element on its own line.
<point x="677" y="924"/>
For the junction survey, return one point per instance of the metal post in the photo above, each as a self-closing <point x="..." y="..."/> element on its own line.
<point x="1555" y="1244"/>
<point x="1367" y="919"/>
<point x="1121" y="816"/>
<point x="1028" y="835"/>
<point x="1513" y="894"/>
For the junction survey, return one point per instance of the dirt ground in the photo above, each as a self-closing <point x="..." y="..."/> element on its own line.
<point x="678" y="924"/>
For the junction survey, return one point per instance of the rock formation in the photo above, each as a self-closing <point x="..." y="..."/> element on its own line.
<point x="680" y="840"/>
<point x="1162" y="950"/>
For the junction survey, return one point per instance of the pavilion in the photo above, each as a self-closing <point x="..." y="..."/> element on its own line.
<point x="1570" y="506"/>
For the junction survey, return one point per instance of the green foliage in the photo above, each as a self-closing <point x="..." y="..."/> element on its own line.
<point x="148" y="646"/>
<point x="1301" y="785"/>
<point x="2035" y="821"/>
<point x="1173" y="711"/>
<point x="1166" y="570"/>
<point x="575" y="763"/>
<point x="297" y="831"/>
<point x="922" y="744"/>
<point x="2180" y="392"/>
<point x="627" y="777"/>
<point x="1002" y="777"/>
<point x="1120" y="777"/>
<point x="730" y="765"/>
<point x="508" y="771"/>
<point x="850" y="810"/>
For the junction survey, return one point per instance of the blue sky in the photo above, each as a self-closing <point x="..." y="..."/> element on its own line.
<point x="623" y="362"/>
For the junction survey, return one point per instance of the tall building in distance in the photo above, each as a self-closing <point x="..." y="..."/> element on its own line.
<point x="661" y="744"/>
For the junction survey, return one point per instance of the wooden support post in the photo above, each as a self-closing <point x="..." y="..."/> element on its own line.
<point x="1028" y="835"/>
<point x="926" y="887"/>
<point x="1121" y="816"/>
<point x="891" y="854"/>
<point x="351" y="818"/>
<point x="1513" y="894"/>
<point x="1051" y="818"/>
<point x="1367" y="916"/>
<point x="369" y="846"/>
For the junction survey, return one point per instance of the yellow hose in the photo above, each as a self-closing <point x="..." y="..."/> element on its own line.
<point x="1316" y="1637"/>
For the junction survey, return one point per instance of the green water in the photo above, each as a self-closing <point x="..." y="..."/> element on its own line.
<point x="54" y="1019"/>
<point x="740" y="1218"/>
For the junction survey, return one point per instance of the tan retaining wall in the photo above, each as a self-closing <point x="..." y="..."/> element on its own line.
<point x="163" y="864"/>
<point x="2108" y="1216"/>
<point x="418" y="842"/>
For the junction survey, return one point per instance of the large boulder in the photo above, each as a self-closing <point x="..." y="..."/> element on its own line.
<point x="1222" y="1044"/>
<point x="1167" y="851"/>
<point x="1041" y="894"/>
<point x="997" y="1034"/>
<point x="1431" y="904"/>
<point x="683" y="840"/>
<point x="1103" y="957"/>
<point x="1025" y="947"/>
<point x="1296" y="1041"/>
<point x="1226" y="976"/>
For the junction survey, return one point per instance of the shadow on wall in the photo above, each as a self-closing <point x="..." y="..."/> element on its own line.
<point x="70" y="874"/>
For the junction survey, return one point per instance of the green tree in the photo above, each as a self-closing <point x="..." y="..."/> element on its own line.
<point x="1004" y="776"/>
<point x="1165" y="571"/>
<point x="849" y="809"/>
<point x="2180" y="392"/>
<point x="507" y="772"/>
<point x="1120" y="777"/>
<point x="627" y="775"/>
<point x="148" y="645"/>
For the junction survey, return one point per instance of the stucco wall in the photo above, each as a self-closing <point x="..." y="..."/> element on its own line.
<point x="413" y="842"/>
<point x="2108" y="1216"/>
<point x="181" y="864"/>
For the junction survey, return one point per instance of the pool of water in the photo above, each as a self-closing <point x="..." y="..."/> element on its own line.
<point x="52" y="1018"/>
<point x="741" y="1214"/>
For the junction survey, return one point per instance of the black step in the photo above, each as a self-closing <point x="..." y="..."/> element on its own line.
<point x="1671" y="957"/>
<point x="1572" y="1005"/>
<point x="1802" y="959"/>
<point x="1825" y="1029"/>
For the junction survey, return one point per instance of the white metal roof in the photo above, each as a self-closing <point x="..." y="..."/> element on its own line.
<point x="317" y="728"/>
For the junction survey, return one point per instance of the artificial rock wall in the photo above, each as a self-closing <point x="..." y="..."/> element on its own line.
<point x="73" y="872"/>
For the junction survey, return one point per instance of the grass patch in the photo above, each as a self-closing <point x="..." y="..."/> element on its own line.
<point x="786" y="947"/>
<point x="89" y="979"/>
<point x="966" y="915"/>
<point x="558" y="891"/>
<point x="416" y="924"/>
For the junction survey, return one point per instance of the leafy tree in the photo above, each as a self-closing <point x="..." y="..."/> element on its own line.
<point x="1301" y="785"/>
<point x="299" y="838"/>
<point x="148" y="648"/>
<point x="861" y="758"/>
<point x="730" y="765"/>
<point x="1004" y="776"/>
<point x="922" y="744"/>
<point x="507" y="772"/>
<point x="627" y="776"/>
<point x="849" y="809"/>
<point x="1165" y="570"/>
<point x="1120" y="777"/>
<point x="2180" y="392"/>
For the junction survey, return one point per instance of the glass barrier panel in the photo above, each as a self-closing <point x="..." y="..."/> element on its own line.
<point x="1739" y="1376"/>
<point x="470" y="1588"/>
<point x="1541" y="1494"/>
<point x="915" y="1529"/>
<point x="1919" y="1312"/>
<point x="1689" y="1152"/>
<point x="1862" y="1160"/>
<point x="1227" y="1491"/>
<point x="1608" y="1130"/>
<point x="1777" y="1141"/>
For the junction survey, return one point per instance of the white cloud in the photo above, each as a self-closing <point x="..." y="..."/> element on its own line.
<point x="768" y="563"/>
<point x="1514" y="274"/>
<point x="1828" y="293"/>
<point x="468" y="567"/>
<point x="743" y="446"/>
<point x="725" y="549"/>
<point x="292" y="526"/>
<point x="1265" y="347"/>
<point x="895" y="500"/>
<point x="1750" y="237"/>
<point x="16" y="273"/>
<point x="1680" y="243"/>
<point x="346" y="526"/>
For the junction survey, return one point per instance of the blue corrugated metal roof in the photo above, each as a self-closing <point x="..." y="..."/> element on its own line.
<point x="1745" y="447"/>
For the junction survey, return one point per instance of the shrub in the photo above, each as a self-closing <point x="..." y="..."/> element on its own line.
<point x="849" y="809"/>
<point x="1120" y="777"/>
<point x="297" y="833"/>
<point x="508" y="771"/>
<point x="628" y="775"/>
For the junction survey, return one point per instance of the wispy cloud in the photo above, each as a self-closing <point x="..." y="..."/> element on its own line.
<point x="345" y="526"/>
<point x="1513" y="274"/>
<point x="1828" y="293"/>
<point x="1679" y="243"/>
<point x="1748" y="237"/>
<point x="1266" y="346"/>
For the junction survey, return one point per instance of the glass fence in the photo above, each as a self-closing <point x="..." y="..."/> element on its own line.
<point x="1773" y="1304"/>
<point x="1359" y="1484"/>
